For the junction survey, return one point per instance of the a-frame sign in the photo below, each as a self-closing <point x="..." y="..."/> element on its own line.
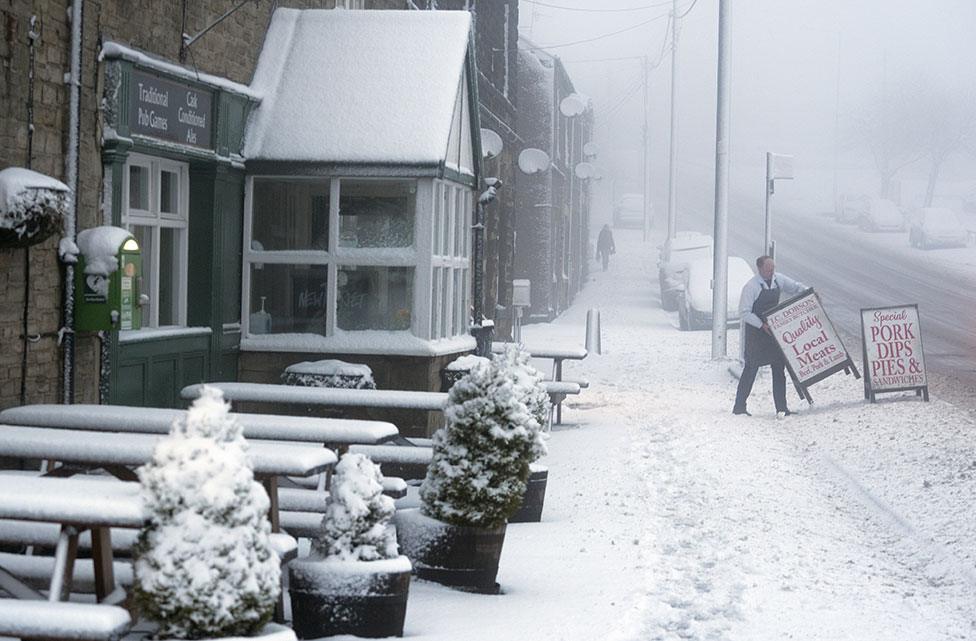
<point x="893" y="356"/>
<point x="809" y="343"/>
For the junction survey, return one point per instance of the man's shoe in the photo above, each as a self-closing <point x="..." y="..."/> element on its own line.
<point x="740" y="412"/>
<point x="784" y="414"/>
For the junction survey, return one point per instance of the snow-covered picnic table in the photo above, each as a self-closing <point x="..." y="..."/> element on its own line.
<point x="557" y="354"/>
<point x="332" y="432"/>
<point x="118" y="452"/>
<point x="76" y="504"/>
<point x="371" y="398"/>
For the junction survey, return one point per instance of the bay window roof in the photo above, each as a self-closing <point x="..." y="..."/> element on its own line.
<point x="386" y="88"/>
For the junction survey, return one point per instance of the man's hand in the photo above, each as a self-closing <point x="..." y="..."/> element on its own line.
<point x="765" y="328"/>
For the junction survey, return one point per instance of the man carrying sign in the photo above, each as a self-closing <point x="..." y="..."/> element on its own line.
<point x="759" y="295"/>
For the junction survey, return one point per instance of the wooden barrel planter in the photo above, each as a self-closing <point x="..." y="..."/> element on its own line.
<point x="361" y="598"/>
<point x="462" y="557"/>
<point x="535" y="495"/>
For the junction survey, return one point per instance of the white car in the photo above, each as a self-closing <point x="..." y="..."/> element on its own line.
<point x="936" y="227"/>
<point x="676" y="253"/>
<point x="881" y="215"/>
<point x="695" y="299"/>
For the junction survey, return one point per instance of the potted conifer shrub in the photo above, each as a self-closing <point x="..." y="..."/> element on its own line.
<point x="204" y="565"/>
<point x="475" y="480"/>
<point x="354" y="582"/>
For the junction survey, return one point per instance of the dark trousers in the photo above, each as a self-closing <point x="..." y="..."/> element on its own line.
<point x="749" y="377"/>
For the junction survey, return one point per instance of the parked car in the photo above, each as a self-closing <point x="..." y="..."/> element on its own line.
<point x="695" y="298"/>
<point x="936" y="227"/>
<point x="850" y="208"/>
<point x="676" y="253"/>
<point x="628" y="212"/>
<point x="881" y="215"/>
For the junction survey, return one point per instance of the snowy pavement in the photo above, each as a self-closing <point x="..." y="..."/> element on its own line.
<point x="668" y="518"/>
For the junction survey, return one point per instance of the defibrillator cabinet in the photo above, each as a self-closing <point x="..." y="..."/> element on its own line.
<point x="108" y="280"/>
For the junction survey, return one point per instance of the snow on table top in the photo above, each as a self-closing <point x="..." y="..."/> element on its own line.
<point x="81" y="621"/>
<point x="330" y="367"/>
<point x="154" y="420"/>
<point x="70" y="500"/>
<point x="294" y="394"/>
<point x="560" y="352"/>
<point x="388" y="81"/>
<point x="14" y="181"/>
<point x="115" y="448"/>
<point x="395" y="453"/>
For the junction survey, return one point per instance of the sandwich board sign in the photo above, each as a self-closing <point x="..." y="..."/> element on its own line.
<point x="809" y="343"/>
<point x="893" y="359"/>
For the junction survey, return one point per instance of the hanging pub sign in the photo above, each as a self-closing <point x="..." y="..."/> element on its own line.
<point x="170" y="110"/>
<point x="893" y="359"/>
<point x="809" y="342"/>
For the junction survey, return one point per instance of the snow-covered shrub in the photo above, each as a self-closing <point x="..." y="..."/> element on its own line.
<point x="529" y="385"/>
<point x="356" y="525"/>
<point x="481" y="457"/>
<point x="204" y="564"/>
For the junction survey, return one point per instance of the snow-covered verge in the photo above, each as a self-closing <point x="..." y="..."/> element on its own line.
<point x="668" y="518"/>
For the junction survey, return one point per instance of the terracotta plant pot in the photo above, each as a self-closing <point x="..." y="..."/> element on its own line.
<point x="458" y="556"/>
<point x="361" y="598"/>
<point x="535" y="495"/>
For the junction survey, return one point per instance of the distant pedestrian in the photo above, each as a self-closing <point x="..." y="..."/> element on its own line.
<point x="759" y="295"/>
<point x="605" y="246"/>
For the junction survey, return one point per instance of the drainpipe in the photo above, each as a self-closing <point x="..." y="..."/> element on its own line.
<point x="67" y="332"/>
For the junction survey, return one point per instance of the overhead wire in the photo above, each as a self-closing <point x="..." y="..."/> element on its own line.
<point x="601" y="37"/>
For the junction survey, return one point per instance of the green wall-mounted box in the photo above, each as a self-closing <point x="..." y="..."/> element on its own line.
<point x="108" y="280"/>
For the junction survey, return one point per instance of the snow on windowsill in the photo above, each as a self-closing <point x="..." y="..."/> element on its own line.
<point x="157" y="333"/>
<point x="359" y="342"/>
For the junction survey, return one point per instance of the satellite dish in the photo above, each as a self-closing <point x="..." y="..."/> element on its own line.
<point x="573" y="105"/>
<point x="532" y="161"/>
<point x="491" y="143"/>
<point x="585" y="170"/>
<point x="591" y="149"/>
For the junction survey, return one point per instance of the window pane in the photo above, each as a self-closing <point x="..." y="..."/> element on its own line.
<point x="459" y="226"/>
<point x="375" y="298"/>
<point x="288" y="299"/>
<point x="138" y="187"/>
<point x="169" y="276"/>
<point x="169" y="192"/>
<point x="446" y="304"/>
<point x="445" y="228"/>
<point x="290" y="214"/>
<point x="377" y="213"/>
<point x="458" y="297"/>
<point x="435" y="304"/>
<point x="143" y="236"/>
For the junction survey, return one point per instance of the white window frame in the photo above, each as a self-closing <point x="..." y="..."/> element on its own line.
<point x="336" y="257"/>
<point x="156" y="220"/>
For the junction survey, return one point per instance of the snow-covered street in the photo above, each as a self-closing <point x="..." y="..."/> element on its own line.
<point x="668" y="518"/>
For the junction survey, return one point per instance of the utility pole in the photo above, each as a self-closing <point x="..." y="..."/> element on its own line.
<point x="720" y="277"/>
<point x="672" y="164"/>
<point x="644" y="177"/>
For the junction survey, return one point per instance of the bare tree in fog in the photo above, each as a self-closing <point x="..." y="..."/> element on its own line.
<point x="948" y="124"/>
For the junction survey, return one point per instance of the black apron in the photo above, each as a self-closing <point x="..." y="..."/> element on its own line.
<point x="761" y="349"/>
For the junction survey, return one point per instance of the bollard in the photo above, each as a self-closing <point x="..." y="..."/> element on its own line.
<point x="593" y="331"/>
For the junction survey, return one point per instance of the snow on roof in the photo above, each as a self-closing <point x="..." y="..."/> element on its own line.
<point x="99" y="245"/>
<point x="358" y="86"/>
<point x="116" y="50"/>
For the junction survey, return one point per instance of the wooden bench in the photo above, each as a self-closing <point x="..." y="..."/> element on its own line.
<point x="55" y="620"/>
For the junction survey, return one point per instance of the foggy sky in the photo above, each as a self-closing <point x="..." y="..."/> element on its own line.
<point x="789" y="58"/>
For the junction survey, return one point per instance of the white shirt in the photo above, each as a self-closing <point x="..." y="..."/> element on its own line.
<point x="751" y="291"/>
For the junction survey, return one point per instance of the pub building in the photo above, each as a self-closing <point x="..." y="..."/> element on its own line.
<point x="361" y="176"/>
<point x="332" y="205"/>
